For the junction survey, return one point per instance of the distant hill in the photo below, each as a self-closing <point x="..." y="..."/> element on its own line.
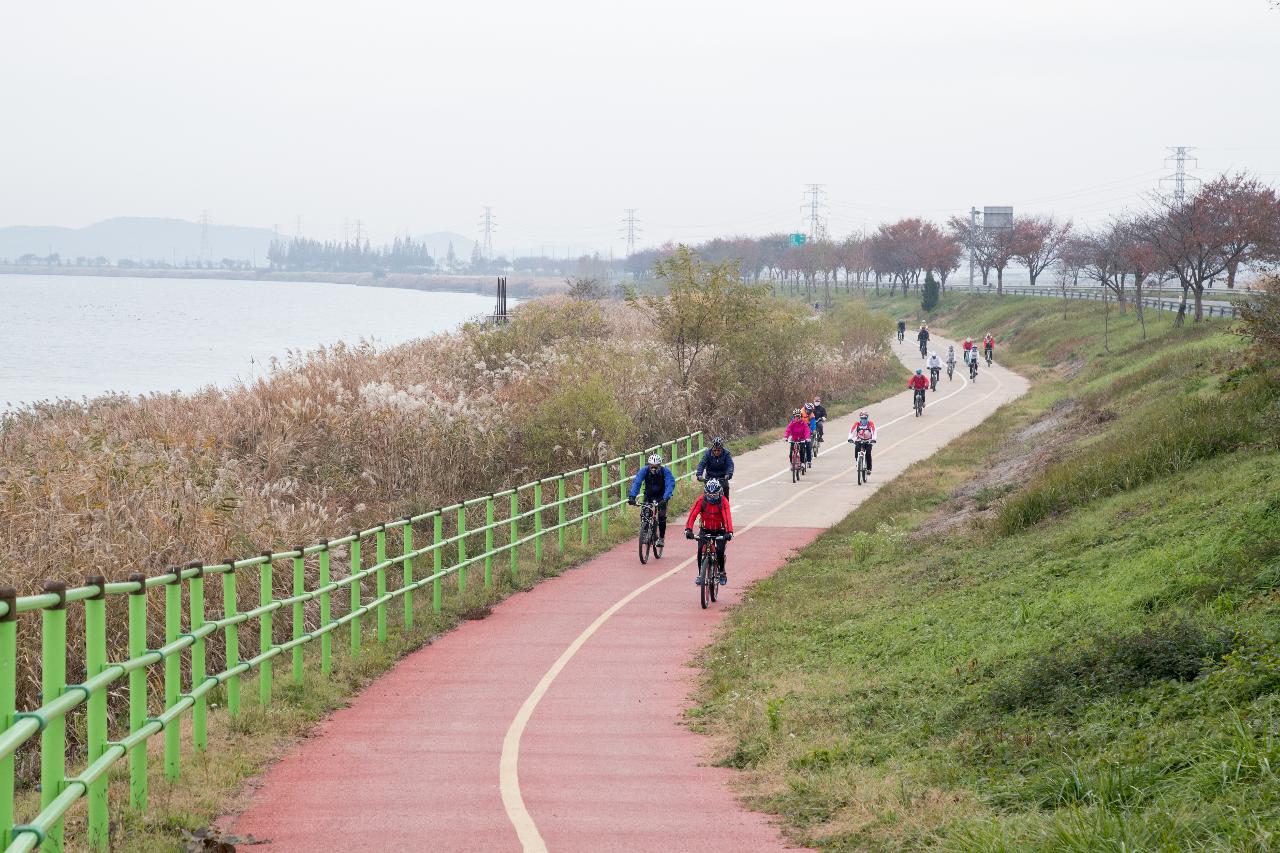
<point x="137" y="238"/>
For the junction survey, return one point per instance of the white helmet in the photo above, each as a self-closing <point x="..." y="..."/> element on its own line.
<point x="655" y="459"/>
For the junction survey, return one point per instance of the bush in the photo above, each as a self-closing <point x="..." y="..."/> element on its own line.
<point x="929" y="295"/>
<point x="1173" y="650"/>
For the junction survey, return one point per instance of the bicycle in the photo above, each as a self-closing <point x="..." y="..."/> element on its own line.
<point x="902" y="335"/>
<point x="924" y="349"/>
<point x="862" y="460"/>
<point x="818" y="431"/>
<point x="990" y="354"/>
<point x="797" y="462"/>
<point x="951" y="369"/>
<point x="708" y="568"/>
<point x="973" y="369"/>
<point x="919" y="402"/>
<point x="933" y="378"/>
<point x="649" y="532"/>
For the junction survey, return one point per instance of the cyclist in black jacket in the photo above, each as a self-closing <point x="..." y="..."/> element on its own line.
<point x="717" y="464"/>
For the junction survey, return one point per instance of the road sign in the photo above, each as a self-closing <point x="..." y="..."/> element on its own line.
<point x="797" y="239"/>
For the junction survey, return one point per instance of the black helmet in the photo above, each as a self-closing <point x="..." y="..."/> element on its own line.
<point x="717" y="442"/>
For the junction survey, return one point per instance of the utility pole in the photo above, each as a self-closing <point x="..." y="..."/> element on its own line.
<point x="359" y="233"/>
<point x="973" y="230"/>
<point x="1179" y="177"/>
<point x="206" y="251"/>
<point x="815" y="194"/>
<point x="297" y="227"/>
<point x="487" y="225"/>
<point x="632" y="229"/>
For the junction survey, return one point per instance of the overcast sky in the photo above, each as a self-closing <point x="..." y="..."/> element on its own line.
<point x="708" y="117"/>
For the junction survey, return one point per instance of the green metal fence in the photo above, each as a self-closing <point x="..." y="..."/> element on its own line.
<point x="506" y="527"/>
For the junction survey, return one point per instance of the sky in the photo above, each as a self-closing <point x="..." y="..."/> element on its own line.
<point x="708" y="118"/>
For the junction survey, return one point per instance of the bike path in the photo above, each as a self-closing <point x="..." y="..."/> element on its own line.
<point x="557" y="722"/>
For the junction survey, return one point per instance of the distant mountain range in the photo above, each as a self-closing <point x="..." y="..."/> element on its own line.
<point x="143" y="238"/>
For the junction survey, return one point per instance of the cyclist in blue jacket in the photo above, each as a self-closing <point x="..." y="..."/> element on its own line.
<point x="659" y="484"/>
<point x="717" y="464"/>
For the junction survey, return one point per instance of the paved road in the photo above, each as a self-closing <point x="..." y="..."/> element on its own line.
<point x="555" y="723"/>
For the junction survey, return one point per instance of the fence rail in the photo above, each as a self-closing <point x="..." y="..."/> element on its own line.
<point x="1228" y="310"/>
<point x="512" y="519"/>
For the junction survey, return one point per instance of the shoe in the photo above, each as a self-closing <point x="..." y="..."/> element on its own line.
<point x="697" y="581"/>
<point x="724" y="579"/>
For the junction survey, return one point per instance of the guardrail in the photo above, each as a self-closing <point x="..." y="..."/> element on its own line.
<point x="1229" y="310"/>
<point x="507" y="527"/>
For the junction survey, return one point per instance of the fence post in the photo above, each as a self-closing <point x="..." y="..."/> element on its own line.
<point x="380" y="580"/>
<point x="462" y="549"/>
<point x="488" y="542"/>
<point x="95" y="647"/>
<point x="355" y="596"/>
<point x="326" y="611"/>
<point x="537" y="522"/>
<point x="560" y="507"/>
<point x="200" y="713"/>
<point x="299" y="614"/>
<point x="230" y="607"/>
<point x="8" y="703"/>
<point x="604" y="499"/>
<point x="53" y="680"/>
<point x="172" y="673"/>
<point x="407" y="565"/>
<point x="138" y="691"/>
<point x="266" y="590"/>
<point x="515" y="535"/>
<point x="439" y="560"/>
<point x="586" y="502"/>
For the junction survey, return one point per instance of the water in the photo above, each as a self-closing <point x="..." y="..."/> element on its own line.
<point x="77" y="336"/>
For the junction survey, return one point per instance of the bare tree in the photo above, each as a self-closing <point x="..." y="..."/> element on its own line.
<point x="1038" y="242"/>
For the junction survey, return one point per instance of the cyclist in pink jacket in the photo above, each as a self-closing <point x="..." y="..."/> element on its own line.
<point x="798" y="430"/>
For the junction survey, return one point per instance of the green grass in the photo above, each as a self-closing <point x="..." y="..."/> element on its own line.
<point x="1091" y="663"/>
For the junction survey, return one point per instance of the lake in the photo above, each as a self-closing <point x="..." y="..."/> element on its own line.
<point x="78" y="336"/>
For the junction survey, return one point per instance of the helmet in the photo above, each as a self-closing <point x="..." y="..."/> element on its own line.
<point x="717" y="443"/>
<point x="808" y="407"/>
<point x="654" y="459"/>
<point x="712" y="491"/>
<point x="795" y="413"/>
<point x="919" y="371"/>
<point x="862" y="416"/>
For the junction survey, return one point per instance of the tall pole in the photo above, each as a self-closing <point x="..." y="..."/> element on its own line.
<point x="973" y="230"/>
<point x="631" y="230"/>
<point x="1179" y="178"/>
<point x="814" y="193"/>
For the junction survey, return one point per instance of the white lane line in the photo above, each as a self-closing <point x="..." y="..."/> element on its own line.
<point x="531" y="840"/>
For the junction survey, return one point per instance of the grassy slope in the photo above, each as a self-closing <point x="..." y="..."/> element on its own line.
<point x="1051" y="685"/>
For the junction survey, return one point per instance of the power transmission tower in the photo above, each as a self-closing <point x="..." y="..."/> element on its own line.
<point x="1179" y="177"/>
<point x="359" y="233"/>
<point x="206" y="251"/>
<point x="297" y="227"/>
<point x="488" y="224"/>
<point x="815" y="193"/>
<point x="632" y="229"/>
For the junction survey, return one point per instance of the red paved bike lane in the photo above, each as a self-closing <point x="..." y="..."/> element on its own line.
<point x="606" y="763"/>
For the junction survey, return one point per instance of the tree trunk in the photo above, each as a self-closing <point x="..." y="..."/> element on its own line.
<point x="1137" y="286"/>
<point x="1231" y="274"/>
<point x="999" y="281"/>
<point x="1199" y="294"/>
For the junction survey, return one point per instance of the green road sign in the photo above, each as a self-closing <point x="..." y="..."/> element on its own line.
<point x="797" y="239"/>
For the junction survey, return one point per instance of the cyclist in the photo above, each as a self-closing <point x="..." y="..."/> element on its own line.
<point x="968" y="349"/>
<point x="820" y="414"/>
<point x="988" y="346"/>
<point x="717" y="463"/>
<point x="973" y="365"/>
<point x="918" y="384"/>
<point x="812" y="421"/>
<point x="935" y="370"/>
<point x="902" y="330"/>
<point x="713" y="506"/>
<point x="951" y="359"/>
<point x="863" y="435"/>
<point x="797" y="431"/>
<point x="657" y="480"/>
<point x="923" y="338"/>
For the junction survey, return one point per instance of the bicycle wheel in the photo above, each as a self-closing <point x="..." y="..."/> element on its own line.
<point x="704" y="571"/>
<point x="713" y="584"/>
<point x="657" y="549"/>
<point x="862" y="469"/>
<point x="645" y="539"/>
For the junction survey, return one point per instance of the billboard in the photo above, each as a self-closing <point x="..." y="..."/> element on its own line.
<point x="997" y="218"/>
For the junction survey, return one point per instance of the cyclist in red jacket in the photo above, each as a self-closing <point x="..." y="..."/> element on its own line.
<point x="918" y="383"/>
<point x="988" y="345"/>
<point x="713" y="506"/>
